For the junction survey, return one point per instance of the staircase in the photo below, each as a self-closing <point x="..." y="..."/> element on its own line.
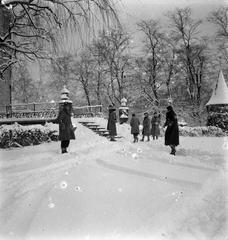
<point x="101" y="131"/>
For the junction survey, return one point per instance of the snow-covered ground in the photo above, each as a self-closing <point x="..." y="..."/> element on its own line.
<point x="115" y="190"/>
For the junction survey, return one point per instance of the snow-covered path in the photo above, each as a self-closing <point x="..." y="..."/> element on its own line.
<point x="113" y="190"/>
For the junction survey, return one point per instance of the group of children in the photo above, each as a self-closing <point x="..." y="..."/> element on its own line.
<point x="150" y="127"/>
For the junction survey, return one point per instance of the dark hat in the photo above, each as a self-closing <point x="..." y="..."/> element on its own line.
<point x="111" y="108"/>
<point x="170" y="108"/>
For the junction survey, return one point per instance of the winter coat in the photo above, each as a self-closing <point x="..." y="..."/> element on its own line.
<point x="146" y="126"/>
<point x="65" y="125"/>
<point x="135" y="125"/>
<point x="112" y="122"/>
<point x="172" y="131"/>
<point x="155" y="122"/>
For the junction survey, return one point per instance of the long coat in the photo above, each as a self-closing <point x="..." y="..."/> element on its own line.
<point x="146" y="126"/>
<point x="135" y="125"/>
<point x="65" y="125"/>
<point x="172" y="131"/>
<point x="112" y="123"/>
<point x="155" y="122"/>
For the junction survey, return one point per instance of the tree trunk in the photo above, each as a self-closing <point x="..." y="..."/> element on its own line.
<point x="87" y="96"/>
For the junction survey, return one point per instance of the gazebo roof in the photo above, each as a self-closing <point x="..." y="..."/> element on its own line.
<point x="220" y="92"/>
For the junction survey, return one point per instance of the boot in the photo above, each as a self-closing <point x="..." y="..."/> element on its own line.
<point x="64" y="150"/>
<point x="173" y="150"/>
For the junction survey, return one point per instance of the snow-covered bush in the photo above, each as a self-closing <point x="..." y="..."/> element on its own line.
<point x="219" y="119"/>
<point x="17" y="135"/>
<point x="210" y="131"/>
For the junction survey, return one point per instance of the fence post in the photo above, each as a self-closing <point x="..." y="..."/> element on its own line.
<point x="8" y="111"/>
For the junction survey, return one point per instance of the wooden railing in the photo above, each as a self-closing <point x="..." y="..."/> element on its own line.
<point x="42" y="112"/>
<point x="30" y="110"/>
<point x="88" y="111"/>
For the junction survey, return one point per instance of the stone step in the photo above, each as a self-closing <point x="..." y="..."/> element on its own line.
<point x="97" y="128"/>
<point x="86" y="123"/>
<point x="104" y="134"/>
<point x="101" y="131"/>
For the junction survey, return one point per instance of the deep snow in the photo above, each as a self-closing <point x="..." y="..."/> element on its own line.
<point x="115" y="190"/>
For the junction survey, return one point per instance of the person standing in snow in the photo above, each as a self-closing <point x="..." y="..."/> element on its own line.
<point x="135" y="127"/>
<point x="66" y="129"/>
<point x="146" y="127"/>
<point x="172" y="130"/>
<point x="111" y="127"/>
<point x="155" y="125"/>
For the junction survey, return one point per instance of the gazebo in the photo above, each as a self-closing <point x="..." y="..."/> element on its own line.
<point x="217" y="106"/>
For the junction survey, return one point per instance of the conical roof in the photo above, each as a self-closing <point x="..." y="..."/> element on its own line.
<point x="220" y="92"/>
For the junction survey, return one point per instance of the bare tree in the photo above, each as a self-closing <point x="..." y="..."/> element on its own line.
<point x="100" y="71"/>
<point x="113" y="49"/>
<point x="154" y="47"/>
<point x="59" y="69"/>
<point x="32" y="21"/>
<point x="83" y="70"/>
<point x="219" y="17"/>
<point x="192" y="50"/>
<point x="25" y="90"/>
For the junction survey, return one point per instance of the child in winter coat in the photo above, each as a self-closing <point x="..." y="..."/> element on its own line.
<point x="155" y="125"/>
<point x="135" y="127"/>
<point x="146" y="127"/>
<point x="111" y="127"/>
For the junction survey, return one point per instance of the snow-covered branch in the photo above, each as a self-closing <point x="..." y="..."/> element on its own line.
<point x="35" y="21"/>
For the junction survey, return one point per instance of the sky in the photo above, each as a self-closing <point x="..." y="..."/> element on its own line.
<point x="132" y="11"/>
<point x="141" y="9"/>
<point x="173" y="2"/>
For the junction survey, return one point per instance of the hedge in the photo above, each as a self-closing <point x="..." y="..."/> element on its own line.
<point x="17" y="136"/>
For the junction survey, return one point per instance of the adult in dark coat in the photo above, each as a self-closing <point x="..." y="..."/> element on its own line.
<point x="146" y="127"/>
<point x="172" y="131"/>
<point x="155" y="125"/>
<point x="66" y="129"/>
<point x="135" y="127"/>
<point x="112" y="123"/>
